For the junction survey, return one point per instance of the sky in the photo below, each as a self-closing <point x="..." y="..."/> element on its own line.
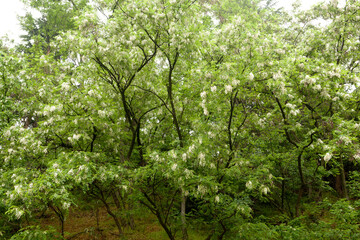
<point x="10" y="9"/>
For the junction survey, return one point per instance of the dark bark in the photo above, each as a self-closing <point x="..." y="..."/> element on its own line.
<point x="343" y="180"/>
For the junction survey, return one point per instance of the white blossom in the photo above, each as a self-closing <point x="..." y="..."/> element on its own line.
<point x="228" y="88"/>
<point x="66" y="205"/>
<point x="249" y="185"/>
<point x="280" y="51"/>
<point x="203" y="94"/>
<point x="235" y="82"/>
<point x="76" y="136"/>
<point x="289" y="105"/>
<point x="202" y="190"/>
<point x="264" y="190"/>
<point x="295" y="112"/>
<point x="102" y="113"/>
<point x="17" y="189"/>
<point x="357" y="156"/>
<point x="65" y="86"/>
<point x="251" y="76"/>
<point x="277" y="76"/>
<point x="327" y="157"/>
<point x="18" y="213"/>
<point x="217" y="198"/>
<point x="7" y="133"/>
<point x="317" y="87"/>
<point x="345" y="139"/>
<point x="184" y="157"/>
<point x="308" y="80"/>
<point x="202" y="159"/>
<point x="213" y="88"/>
<point x="174" y="166"/>
<point x="191" y="148"/>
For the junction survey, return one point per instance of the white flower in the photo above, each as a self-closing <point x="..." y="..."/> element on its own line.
<point x="66" y="205"/>
<point x="251" y="76"/>
<point x="235" y="83"/>
<point x="203" y="94"/>
<point x="345" y="139"/>
<point x="211" y="134"/>
<point x="132" y="38"/>
<point x="295" y="112"/>
<point x="213" y="88"/>
<point x="217" y="198"/>
<point x="91" y="93"/>
<point x="261" y="122"/>
<point x="249" y="185"/>
<point x="18" y="213"/>
<point x="17" y="189"/>
<point x="174" y="166"/>
<point x="52" y="108"/>
<point x="7" y="133"/>
<point x="184" y="157"/>
<point x="228" y="88"/>
<point x="265" y="190"/>
<point x="277" y="76"/>
<point x="202" y="159"/>
<point x="325" y="94"/>
<point x="327" y="157"/>
<point x="23" y="140"/>
<point x="206" y="112"/>
<point x="191" y="148"/>
<point x="102" y="113"/>
<point x="187" y="173"/>
<point x="289" y="105"/>
<point x="308" y="80"/>
<point x="65" y="86"/>
<point x="280" y="51"/>
<point x="317" y="87"/>
<point x="202" y="190"/>
<point x="71" y="172"/>
<point x="76" y="136"/>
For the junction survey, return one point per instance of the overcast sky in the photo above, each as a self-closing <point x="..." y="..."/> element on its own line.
<point x="11" y="8"/>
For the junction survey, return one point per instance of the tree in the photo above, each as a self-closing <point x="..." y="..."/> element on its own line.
<point x="198" y="112"/>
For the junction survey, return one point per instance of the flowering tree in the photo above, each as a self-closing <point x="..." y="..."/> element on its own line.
<point x="198" y="112"/>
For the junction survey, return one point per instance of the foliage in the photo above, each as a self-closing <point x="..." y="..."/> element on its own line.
<point x="198" y="112"/>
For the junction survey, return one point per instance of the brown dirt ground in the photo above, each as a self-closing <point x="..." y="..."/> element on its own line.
<point x="82" y="225"/>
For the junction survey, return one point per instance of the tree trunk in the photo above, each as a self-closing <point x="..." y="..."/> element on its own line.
<point x="343" y="180"/>
<point x="183" y="216"/>
<point x="113" y="215"/>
